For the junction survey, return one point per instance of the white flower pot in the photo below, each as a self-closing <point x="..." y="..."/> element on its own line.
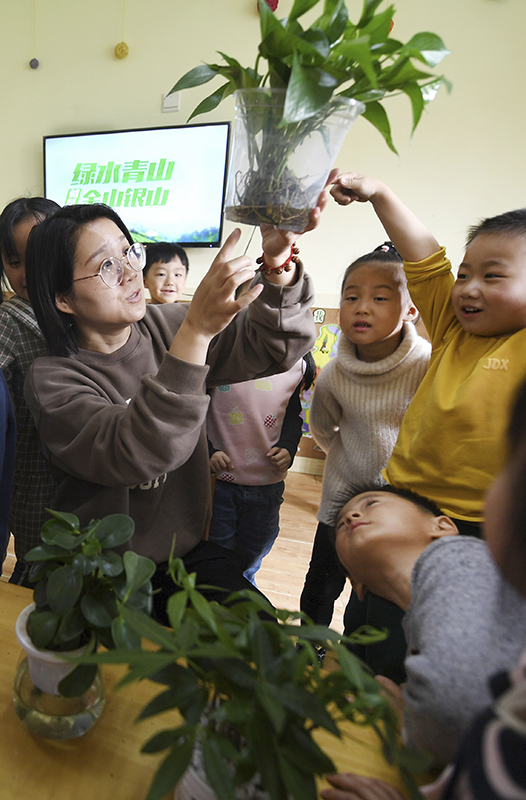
<point x="38" y="701"/>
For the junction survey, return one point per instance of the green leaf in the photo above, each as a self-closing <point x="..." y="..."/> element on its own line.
<point x="84" y="564"/>
<point x="114" y="530"/>
<point x="175" y="608"/>
<point x="414" y="92"/>
<point x="167" y="738"/>
<point x="70" y="520"/>
<point x="171" y="770"/>
<point x="308" y="91"/>
<point x="59" y="538"/>
<point x="357" y="51"/>
<point x="195" y="77"/>
<point x="376" y="115"/>
<point x="203" y="608"/>
<point x="109" y="562"/>
<point x="149" y="629"/>
<point x="369" y="7"/>
<point x="334" y="20"/>
<point x="217" y="770"/>
<point x="41" y="627"/>
<point x="212" y="101"/>
<point x="138" y="570"/>
<point x="44" y="553"/>
<point x="72" y="626"/>
<point x="300" y="784"/>
<point x="124" y="635"/>
<point x="64" y="586"/>
<point x="301" y="7"/>
<point x="99" y="608"/>
<point x="428" y="47"/>
<point x="78" y="682"/>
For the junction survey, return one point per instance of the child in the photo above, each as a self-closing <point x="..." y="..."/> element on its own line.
<point x="359" y="401"/>
<point x="451" y="442"/>
<point x="490" y="763"/>
<point x="165" y="272"/>
<point x="254" y="430"/>
<point x="20" y="343"/>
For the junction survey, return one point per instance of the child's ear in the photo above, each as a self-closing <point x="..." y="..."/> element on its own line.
<point x="411" y="313"/>
<point x="444" y="526"/>
<point x="62" y="303"/>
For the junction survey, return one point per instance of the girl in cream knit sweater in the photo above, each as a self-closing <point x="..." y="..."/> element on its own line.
<point x="359" y="401"/>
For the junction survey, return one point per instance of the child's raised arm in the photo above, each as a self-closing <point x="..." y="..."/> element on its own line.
<point x="410" y="236"/>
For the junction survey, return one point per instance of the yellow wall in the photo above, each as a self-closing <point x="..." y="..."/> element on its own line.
<point x="465" y="161"/>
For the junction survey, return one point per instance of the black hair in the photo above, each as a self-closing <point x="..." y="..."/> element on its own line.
<point x="49" y="269"/>
<point x="310" y="371"/>
<point x="512" y="222"/>
<point x="515" y="555"/>
<point x="37" y="208"/>
<point x="385" y="254"/>
<point x="165" y="252"/>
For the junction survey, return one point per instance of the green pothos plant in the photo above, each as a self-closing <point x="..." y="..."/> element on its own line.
<point x="332" y="57"/>
<point x="251" y="694"/>
<point x="81" y="585"/>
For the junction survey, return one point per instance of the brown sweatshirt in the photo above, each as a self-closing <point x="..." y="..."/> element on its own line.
<point x="126" y="430"/>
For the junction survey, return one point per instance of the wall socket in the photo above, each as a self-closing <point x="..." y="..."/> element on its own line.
<point x="171" y="102"/>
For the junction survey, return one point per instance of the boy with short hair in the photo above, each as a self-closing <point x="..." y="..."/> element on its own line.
<point x="165" y="272"/>
<point x="452" y="439"/>
<point x="463" y="621"/>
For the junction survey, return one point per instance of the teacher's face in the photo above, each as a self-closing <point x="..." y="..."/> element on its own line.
<point x="103" y="315"/>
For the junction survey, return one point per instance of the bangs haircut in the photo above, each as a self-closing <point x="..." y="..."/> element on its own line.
<point x="385" y="255"/>
<point x="50" y="259"/>
<point x="20" y="210"/>
<point x="512" y="222"/>
<point x="163" y="253"/>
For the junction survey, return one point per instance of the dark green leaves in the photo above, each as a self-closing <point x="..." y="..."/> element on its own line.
<point x="332" y="56"/>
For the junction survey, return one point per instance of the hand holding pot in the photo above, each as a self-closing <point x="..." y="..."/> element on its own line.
<point x="214" y="304"/>
<point x="277" y="242"/>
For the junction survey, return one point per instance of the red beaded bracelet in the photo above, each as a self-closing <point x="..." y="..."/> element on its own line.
<point x="287" y="266"/>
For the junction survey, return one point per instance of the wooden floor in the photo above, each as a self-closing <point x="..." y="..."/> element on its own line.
<point x="283" y="570"/>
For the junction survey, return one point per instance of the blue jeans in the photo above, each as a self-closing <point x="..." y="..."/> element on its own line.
<point x="246" y="519"/>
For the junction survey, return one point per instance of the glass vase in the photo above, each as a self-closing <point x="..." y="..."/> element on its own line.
<point x="277" y="171"/>
<point x="36" y="696"/>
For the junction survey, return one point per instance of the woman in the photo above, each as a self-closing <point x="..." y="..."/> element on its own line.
<point x="120" y="404"/>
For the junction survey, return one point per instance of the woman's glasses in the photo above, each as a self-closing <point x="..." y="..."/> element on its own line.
<point x="112" y="269"/>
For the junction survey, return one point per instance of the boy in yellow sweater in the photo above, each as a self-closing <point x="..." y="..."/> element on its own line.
<point x="452" y="439"/>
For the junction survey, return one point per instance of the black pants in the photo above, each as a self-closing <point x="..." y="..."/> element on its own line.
<point x="214" y="565"/>
<point x="324" y="580"/>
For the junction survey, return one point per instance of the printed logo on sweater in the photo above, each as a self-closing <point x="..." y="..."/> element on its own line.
<point x="263" y="384"/>
<point x="269" y="421"/>
<point x="252" y="455"/>
<point x="496" y="364"/>
<point x="235" y="417"/>
<point x="225" y="388"/>
<point x="153" y="484"/>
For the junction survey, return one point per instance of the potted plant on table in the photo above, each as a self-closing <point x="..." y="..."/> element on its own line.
<point x="251" y="695"/>
<point x="81" y="585"/>
<point x="317" y="80"/>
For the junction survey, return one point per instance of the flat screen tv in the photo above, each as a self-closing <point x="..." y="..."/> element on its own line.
<point x="167" y="184"/>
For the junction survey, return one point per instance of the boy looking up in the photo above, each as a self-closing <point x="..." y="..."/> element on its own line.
<point x="165" y="272"/>
<point x="463" y="623"/>
<point x="452" y="439"/>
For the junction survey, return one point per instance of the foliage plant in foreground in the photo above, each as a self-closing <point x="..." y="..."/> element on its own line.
<point x="82" y="586"/>
<point x="332" y="57"/>
<point x="251" y="694"/>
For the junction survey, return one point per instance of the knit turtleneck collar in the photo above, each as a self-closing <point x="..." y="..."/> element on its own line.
<point x="349" y="361"/>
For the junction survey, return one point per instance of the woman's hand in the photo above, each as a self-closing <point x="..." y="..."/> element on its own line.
<point x="214" y="304"/>
<point x="347" y="786"/>
<point x="277" y="243"/>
